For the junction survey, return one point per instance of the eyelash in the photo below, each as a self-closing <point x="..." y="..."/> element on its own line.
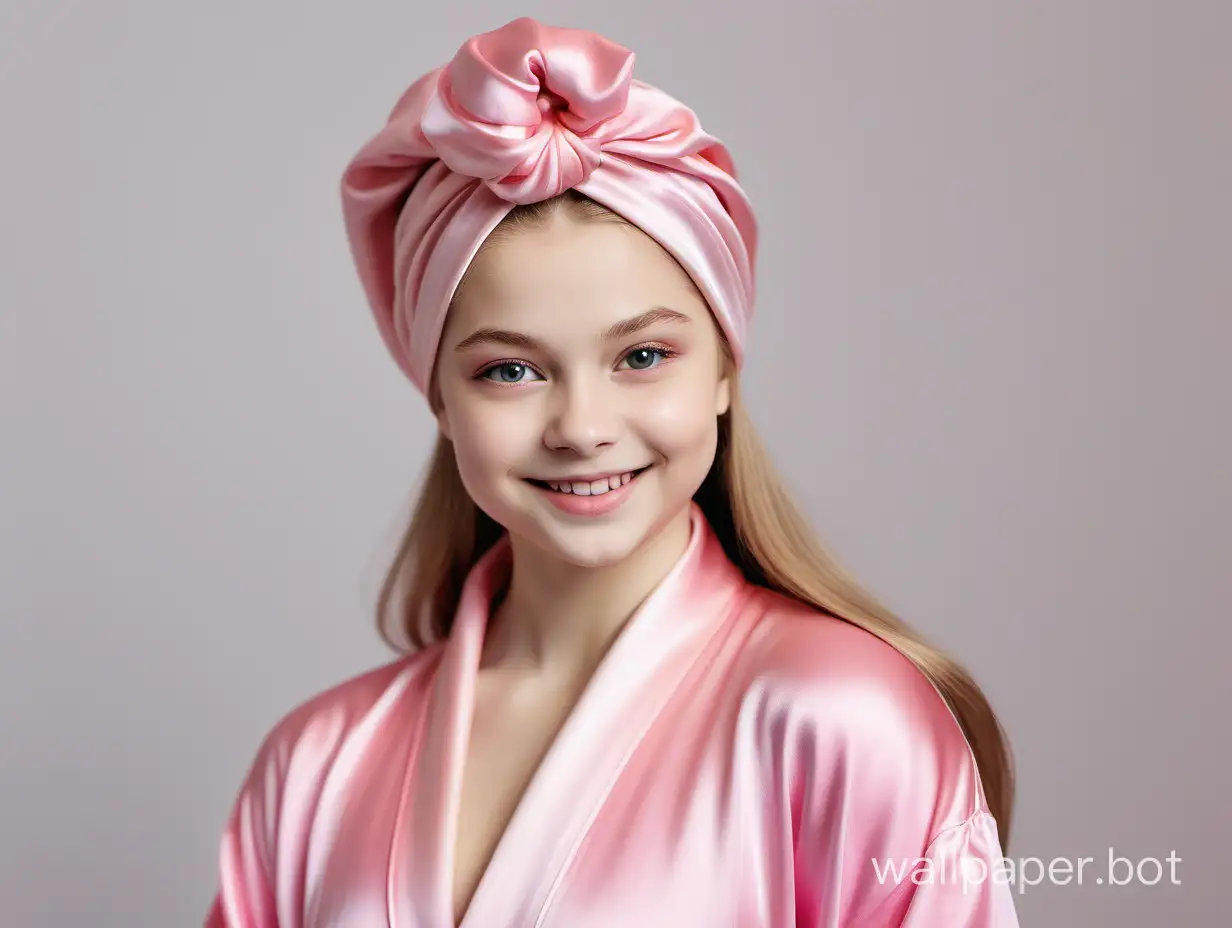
<point x="659" y="348"/>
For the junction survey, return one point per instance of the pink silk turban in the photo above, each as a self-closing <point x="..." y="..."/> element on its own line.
<point x="520" y="115"/>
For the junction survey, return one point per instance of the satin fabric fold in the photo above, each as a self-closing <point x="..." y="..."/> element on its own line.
<point x="519" y="115"/>
<point x="736" y="760"/>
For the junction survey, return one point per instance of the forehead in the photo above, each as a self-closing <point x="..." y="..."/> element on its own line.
<point x="574" y="273"/>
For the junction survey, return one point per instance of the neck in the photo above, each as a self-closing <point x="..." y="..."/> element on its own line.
<point x="558" y="619"/>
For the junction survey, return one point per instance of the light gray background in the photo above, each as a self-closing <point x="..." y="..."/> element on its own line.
<point x="991" y="357"/>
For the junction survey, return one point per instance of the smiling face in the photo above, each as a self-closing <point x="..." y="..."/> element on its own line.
<point x="580" y="379"/>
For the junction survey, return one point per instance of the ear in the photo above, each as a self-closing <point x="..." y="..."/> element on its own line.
<point x="442" y="422"/>
<point x="437" y="405"/>
<point x="722" y="395"/>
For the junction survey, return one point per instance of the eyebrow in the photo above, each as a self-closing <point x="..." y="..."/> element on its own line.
<point x="622" y="329"/>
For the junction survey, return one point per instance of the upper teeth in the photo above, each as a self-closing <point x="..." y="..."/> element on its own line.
<point x="593" y="487"/>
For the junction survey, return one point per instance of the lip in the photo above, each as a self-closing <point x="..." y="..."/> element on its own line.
<point x="604" y="503"/>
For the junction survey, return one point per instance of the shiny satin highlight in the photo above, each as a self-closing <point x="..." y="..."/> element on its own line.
<point x="737" y="761"/>
<point x="519" y="115"/>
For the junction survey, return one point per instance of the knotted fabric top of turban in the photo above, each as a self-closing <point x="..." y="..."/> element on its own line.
<point x="520" y="115"/>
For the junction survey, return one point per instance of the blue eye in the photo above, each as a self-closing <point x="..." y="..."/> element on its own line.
<point x="507" y="372"/>
<point x="641" y="359"/>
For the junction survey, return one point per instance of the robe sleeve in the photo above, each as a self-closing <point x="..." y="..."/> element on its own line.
<point x="961" y="882"/>
<point x="892" y="827"/>
<point x="248" y="853"/>
<point x="263" y="855"/>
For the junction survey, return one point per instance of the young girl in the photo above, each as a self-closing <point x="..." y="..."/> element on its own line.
<point x="635" y="690"/>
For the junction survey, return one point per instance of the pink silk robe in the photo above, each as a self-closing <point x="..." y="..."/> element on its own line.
<point x="737" y="761"/>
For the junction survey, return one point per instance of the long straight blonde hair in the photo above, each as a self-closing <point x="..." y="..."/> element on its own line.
<point x="752" y="514"/>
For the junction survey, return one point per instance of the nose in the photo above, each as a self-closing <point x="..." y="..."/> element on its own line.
<point x="583" y="417"/>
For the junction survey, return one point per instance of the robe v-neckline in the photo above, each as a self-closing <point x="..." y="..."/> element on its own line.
<point x="659" y="645"/>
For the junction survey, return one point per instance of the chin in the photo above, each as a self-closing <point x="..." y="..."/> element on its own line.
<point x="596" y="546"/>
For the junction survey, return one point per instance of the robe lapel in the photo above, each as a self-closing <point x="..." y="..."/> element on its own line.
<point x="421" y="864"/>
<point x="665" y="639"/>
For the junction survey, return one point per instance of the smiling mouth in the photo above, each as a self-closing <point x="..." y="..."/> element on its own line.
<point x="591" y="487"/>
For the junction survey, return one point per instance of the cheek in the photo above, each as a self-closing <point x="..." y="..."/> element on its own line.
<point x="681" y="419"/>
<point x="490" y="438"/>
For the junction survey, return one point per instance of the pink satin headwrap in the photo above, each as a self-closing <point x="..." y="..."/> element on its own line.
<point x="519" y="115"/>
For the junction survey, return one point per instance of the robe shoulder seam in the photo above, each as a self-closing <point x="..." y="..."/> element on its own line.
<point x="944" y="831"/>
